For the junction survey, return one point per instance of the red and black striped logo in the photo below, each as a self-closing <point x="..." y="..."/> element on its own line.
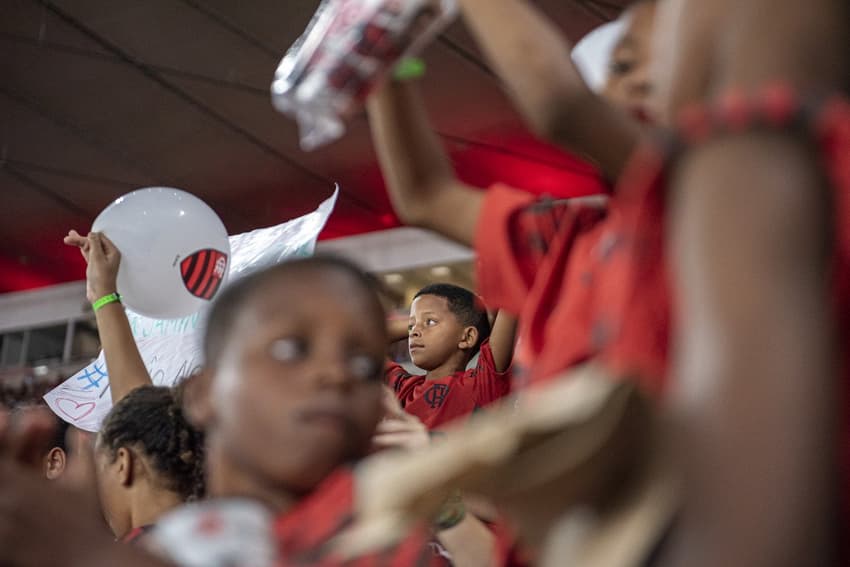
<point x="203" y="272"/>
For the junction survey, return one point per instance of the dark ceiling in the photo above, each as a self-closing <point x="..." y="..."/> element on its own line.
<point x="99" y="97"/>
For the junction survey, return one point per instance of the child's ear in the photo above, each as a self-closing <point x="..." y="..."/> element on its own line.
<point x="54" y="464"/>
<point x="197" y="404"/>
<point x="470" y="337"/>
<point x="124" y="462"/>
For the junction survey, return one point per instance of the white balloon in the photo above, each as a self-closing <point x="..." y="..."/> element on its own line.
<point x="174" y="251"/>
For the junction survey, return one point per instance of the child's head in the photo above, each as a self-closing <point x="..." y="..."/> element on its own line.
<point x="628" y="83"/>
<point x="55" y="458"/>
<point x="292" y="387"/>
<point x="445" y="319"/>
<point x="146" y="446"/>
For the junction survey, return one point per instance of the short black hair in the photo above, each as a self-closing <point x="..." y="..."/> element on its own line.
<point x="467" y="307"/>
<point x="150" y="419"/>
<point x="225" y="310"/>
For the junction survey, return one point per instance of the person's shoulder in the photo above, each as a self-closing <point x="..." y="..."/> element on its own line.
<point x="218" y="511"/>
<point x="210" y="532"/>
<point x="395" y="374"/>
<point x="391" y="366"/>
<point x="485" y="356"/>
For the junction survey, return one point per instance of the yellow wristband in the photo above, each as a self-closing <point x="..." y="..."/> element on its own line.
<point x="106" y="300"/>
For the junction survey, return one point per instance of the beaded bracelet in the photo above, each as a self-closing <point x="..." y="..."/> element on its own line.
<point x="776" y="106"/>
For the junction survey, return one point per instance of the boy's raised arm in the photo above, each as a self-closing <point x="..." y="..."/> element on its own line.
<point x="758" y="360"/>
<point x="532" y="58"/>
<point x="419" y="177"/>
<point x="397" y="328"/>
<point x="127" y="370"/>
<point x="502" y="340"/>
<point x="757" y="365"/>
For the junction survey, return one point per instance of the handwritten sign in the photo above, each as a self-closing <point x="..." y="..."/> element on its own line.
<point x="171" y="348"/>
<point x="84" y="399"/>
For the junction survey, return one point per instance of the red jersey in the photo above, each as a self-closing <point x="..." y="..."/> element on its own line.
<point x="303" y="533"/>
<point x="439" y="401"/>
<point x="588" y="284"/>
<point x="558" y="265"/>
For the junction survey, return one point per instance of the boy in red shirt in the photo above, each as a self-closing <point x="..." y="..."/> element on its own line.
<point x="448" y="326"/>
<point x="546" y="262"/>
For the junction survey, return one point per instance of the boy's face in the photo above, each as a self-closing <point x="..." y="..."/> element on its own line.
<point x="629" y="85"/>
<point x="297" y="388"/>
<point x="435" y="333"/>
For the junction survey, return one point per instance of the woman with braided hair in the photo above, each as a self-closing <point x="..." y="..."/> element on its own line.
<point x="149" y="460"/>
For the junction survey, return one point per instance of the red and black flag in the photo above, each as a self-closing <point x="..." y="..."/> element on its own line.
<point x="203" y="272"/>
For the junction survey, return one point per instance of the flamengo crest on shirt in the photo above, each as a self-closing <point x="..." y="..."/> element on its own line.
<point x="436" y="395"/>
<point x="203" y="272"/>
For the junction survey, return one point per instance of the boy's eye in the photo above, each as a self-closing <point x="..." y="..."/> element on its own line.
<point x="287" y="350"/>
<point x="409" y="327"/>
<point x="430" y="322"/>
<point x="364" y="367"/>
<point x="621" y="67"/>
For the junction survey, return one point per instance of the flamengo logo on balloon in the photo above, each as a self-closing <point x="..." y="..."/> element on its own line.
<point x="203" y="272"/>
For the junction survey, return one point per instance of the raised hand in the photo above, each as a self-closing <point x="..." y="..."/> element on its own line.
<point x="103" y="259"/>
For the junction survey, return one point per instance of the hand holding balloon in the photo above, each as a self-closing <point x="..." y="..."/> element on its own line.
<point x="103" y="259"/>
<point x="174" y="251"/>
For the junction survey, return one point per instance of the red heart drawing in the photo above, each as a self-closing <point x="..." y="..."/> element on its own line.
<point x="76" y="411"/>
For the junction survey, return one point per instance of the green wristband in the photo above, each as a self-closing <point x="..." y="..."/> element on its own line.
<point x="409" y="68"/>
<point x="106" y="300"/>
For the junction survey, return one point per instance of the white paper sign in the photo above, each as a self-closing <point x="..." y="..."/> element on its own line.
<point x="171" y="348"/>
